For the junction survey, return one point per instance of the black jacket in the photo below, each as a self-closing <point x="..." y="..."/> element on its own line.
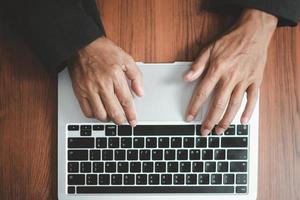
<point x="56" y="29"/>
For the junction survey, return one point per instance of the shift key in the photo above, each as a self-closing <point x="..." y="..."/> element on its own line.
<point x="234" y="142"/>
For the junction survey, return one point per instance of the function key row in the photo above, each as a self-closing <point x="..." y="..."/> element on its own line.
<point x="153" y="130"/>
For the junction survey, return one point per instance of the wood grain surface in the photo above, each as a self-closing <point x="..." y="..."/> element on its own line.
<point x="151" y="31"/>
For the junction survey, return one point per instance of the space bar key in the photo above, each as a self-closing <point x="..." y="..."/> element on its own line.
<point x="148" y="130"/>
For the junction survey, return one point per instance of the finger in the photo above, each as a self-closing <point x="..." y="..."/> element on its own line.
<point x="232" y="108"/>
<point x="85" y="107"/>
<point x="98" y="107"/>
<point x="203" y="90"/>
<point x="135" y="75"/>
<point x="198" y="66"/>
<point x="217" y="108"/>
<point x="125" y="98"/>
<point x="112" y="105"/>
<point x="252" y="95"/>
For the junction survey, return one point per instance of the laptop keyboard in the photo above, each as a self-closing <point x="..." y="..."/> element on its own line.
<point x="155" y="159"/>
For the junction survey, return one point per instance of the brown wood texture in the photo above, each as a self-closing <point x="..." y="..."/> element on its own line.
<point x="151" y="31"/>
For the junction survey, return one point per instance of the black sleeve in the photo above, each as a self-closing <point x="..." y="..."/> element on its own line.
<point x="56" y="29"/>
<point x="287" y="11"/>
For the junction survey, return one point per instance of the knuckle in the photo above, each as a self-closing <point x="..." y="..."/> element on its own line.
<point x="234" y="103"/>
<point x="219" y="105"/>
<point x="201" y="94"/>
<point x="126" y="103"/>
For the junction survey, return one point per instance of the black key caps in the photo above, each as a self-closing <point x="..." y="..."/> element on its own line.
<point x="216" y="179"/>
<point x="178" y="179"/>
<point x="153" y="179"/>
<point x="207" y="154"/>
<point x="85" y="167"/>
<point x="116" y="179"/>
<point x="110" y="130"/>
<point x="237" y="154"/>
<point x="210" y="166"/>
<point x="138" y="142"/>
<point x="104" y="179"/>
<point x="242" y="130"/>
<point x="230" y="130"/>
<point x="151" y="142"/>
<point x="241" y="189"/>
<point x="132" y="155"/>
<point x="113" y="142"/>
<point x="126" y="142"/>
<point x="201" y="142"/>
<point x="172" y="166"/>
<point x="157" y="154"/>
<point x="101" y="142"/>
<point x="188" y="142"/>
<point x="169" y="154"/>
<point x="120" y="154"/>
<point x="197" y="167"/>
<point x="98" y="167"/>
<point x="110" y="167"/>
<point x="71" y="190"/>
<point x="145" y="130"/>
<point x="95" y="155"/>
<point x="238" y="166"/>
<point x="91" y="179"/>
<point x="213" y="142"/>
<point x="147" y="166"/>
<point x="166" y="179"/>
<point x="145" y="154"/>
<point x="81" y="142"/>
<point x="176" y="142"/>
<point x="107" y="154"/>
<point x="135" y="167"/>
<point x="122" y="167"/>
<point x="191" y="179"/>
<point x="129" y="179"/>
<point x="98" y="127"/>
<point x="219" y="154"/>
<point x="234" y="142"/>
<point x="77" y="154"/>
<point x="76" y="179"/>
<point x="203" y="179"/>
<point x="160" y="167"/>
<point x="141" y="179"/>
<point x="241" y="179"/>
<point x="194" y="154"/>
<point x="163" y="142"/>
<point x="222" y="167"/>
<point x="85" y="132"/>
<point x="228" y="178"/>
<point x="85" y="127"/>
<point x="182" y="154"/>
<point x="73" y="167"/>
<point x="124" y="130"/>
<point x="185" y="167"/>
<point x="73" y="127"/>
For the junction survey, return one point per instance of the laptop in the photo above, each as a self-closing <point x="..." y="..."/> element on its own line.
<point x="163" y="157"/>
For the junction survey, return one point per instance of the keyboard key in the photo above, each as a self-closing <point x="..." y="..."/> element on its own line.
<point x="104" y="179"/>
<point x="185" y="167"/>
<point x="113" y="142"/>
<point x="107" y="154"/>
<point x="147" y="130"/>
<point x="166" y="179"/>
<point x="219" y="154"/>
<point x="197" y="167"/>
<point x="169" y="154"/>
<point x="123" y="167"/>
<point x="95" y="155"/>
<point x="160" y="167"/>
<point x="85" y="127"/>
<point x="85" y="132"/>
<point x="98" y="127"/>
<point x="234" y="142"/>
<point x="98" y="167"/>
<point x="85" y="167"/>
<point x="201" y="142"/>
<point x="213" y="142"/>
<point x="216" y="179"/>
<point x="120" y="154"/>
<point x="178" y="179"/>
<point x="141" y="179"/>
<point x="71" y="190"/>
<point x="163" y="142"/>
<point x="182" y="154"/>
<point x="81" y="142"/>
<point x="228" y="178"/>
<point x="157" y="154"/>
<point x="135" y="167"/>
<point x="110" y="130"/>
<point x="132" y="155"/>
<point x="91" y="179"/>
<point x="176" y="142"/>
<point x="241" y="189"/>
<point x="191" y="179"/>
<point x="73" y="167"/>
<point x="116" y="179"/>
<point x="230" y="130"/>
<point x="242" y="130"/>
<point x="238" y="166"/>
<point x="198" y="130"/>
<point x="126" y="142"/>
<point x="237" y="154"/>
<point x="101" y="142"/>
<point x="77" y="154"/>
<point x="207" y="154"/>
<point x="76" y="179"/>
<point x="172" y="166"/>
<point x="138" y="142"/>
<point x="124" y="130"/>
<point x="222" y="167"/>
<point x="145" y="154"/>
<point x="241" y="179"/>
<point x="203" y="179"/>
<point x="188" y="142"/>
<point x="210" y="166"/>
<point x="128" y="179"/>
<point x="147" y="166"/>
<point x="153" y="179"/>
<point x="151" y="142"/>
<point x="110" y="167"/>
<point x="73" y="127"/>
<point x="194" y="154"/>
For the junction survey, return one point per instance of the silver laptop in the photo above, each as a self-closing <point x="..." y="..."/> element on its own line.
<point x="163" y="157"/>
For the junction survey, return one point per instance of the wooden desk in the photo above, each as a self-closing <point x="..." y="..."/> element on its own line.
<point x="151" y="31"/>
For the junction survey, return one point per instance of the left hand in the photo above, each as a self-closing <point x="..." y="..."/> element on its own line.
<point x="232" y="65"/>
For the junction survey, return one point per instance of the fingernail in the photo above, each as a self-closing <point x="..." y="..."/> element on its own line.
<point x="244" y="120"/>
<point x="189" y="118"/>
<point x="132" y="123"/>
<point x="141" y="91"/>
<point x="189" y="75"/>
<point x="205" y="132"/>
<point x="219" y="130"/>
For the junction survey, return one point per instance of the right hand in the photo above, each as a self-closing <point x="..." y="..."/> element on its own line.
<point x="99" y="74"/>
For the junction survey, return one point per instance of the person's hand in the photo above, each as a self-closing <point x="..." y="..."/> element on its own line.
<point x="231" y="66"/>
<point x="100" y="73"/>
